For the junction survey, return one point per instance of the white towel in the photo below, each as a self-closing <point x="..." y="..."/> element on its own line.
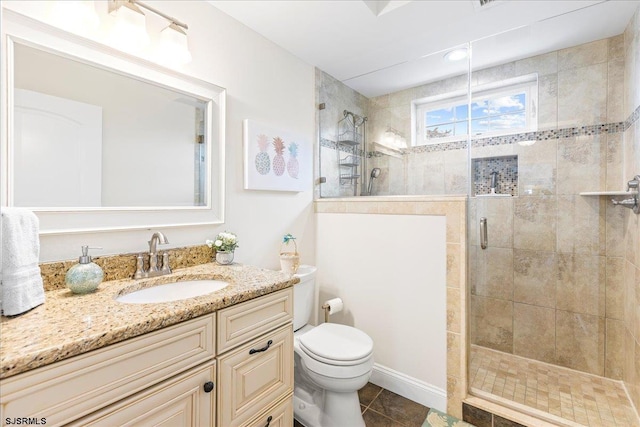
<point x="20" y="279"/>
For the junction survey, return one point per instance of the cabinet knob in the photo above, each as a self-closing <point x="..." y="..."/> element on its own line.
<point x="208" y="386"/>
<point x="268" y="421"/>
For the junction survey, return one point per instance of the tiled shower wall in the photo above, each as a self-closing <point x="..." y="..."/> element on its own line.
<point x="549" y="285"/>
<point x="629" y="291"/>
<point x="336" y="97"/>
<point x="424" y="170"/>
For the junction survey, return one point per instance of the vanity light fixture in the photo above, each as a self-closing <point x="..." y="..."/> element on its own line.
<point x="172" y="48"/>
<point x="456" y="55"/>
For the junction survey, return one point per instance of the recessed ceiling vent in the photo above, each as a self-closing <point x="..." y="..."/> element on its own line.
<point x="485" y="4"/>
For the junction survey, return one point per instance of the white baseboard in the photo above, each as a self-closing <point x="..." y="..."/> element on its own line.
<point x="409" y="387"/>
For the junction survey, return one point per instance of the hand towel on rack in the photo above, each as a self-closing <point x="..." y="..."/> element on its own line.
<point x="20" y="279"/>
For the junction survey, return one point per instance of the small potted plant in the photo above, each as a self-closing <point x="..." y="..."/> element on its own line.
<point x="224" y="244"/>
<point x="289" y="261"/>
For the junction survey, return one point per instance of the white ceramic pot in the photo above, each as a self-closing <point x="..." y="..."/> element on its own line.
<point x="224" y="258"/>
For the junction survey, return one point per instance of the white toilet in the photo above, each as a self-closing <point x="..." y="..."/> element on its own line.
<point x="332" y="362"/>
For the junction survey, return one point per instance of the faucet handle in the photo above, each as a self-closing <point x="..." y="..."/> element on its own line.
<point x="139" y="267"/>
<point x="634" y="183"/>
<point x="166" y="269"/>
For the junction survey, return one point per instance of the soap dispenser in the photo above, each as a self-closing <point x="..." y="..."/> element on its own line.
<point x="85" y="276"/>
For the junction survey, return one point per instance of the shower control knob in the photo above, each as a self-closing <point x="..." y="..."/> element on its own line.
<point x="634" y="183"/>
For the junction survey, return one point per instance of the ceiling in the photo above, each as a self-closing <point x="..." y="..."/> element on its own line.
<point x="381" y="46"/>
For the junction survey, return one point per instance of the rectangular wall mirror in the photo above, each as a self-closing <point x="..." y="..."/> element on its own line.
<point x="97" y="139"/>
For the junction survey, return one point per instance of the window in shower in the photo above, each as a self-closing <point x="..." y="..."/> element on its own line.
<point x="507" y="107"/>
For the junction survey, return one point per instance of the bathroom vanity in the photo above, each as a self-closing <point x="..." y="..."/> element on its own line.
<point x="222" y="359"/>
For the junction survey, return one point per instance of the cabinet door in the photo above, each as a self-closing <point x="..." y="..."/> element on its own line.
<point x="180" y="401"/>
<point x="280" y="415"/>
<point x="255" y="376"/>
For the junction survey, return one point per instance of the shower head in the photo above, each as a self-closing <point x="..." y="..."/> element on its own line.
<point x="375" y="172"/>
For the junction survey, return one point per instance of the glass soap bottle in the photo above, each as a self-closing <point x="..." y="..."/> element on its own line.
<point x="85" y="276"/>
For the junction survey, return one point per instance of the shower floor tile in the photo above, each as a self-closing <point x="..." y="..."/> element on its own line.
<point x="577" y="397"/>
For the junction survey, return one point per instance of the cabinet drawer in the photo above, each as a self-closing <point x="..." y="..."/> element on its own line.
<point x="180" y="401"/>
<point x="280" y="415"/>
<point x="243" y="322"/>
<point x="250" y="381"/>
<point x="69" y="389"/>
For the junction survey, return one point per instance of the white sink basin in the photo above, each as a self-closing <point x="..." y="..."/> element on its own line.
<point x="173" y="291"/>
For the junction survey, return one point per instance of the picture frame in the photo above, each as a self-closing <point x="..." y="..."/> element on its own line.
<point x="275" y="159"/>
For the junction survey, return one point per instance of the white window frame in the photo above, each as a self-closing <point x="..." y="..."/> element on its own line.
<point x="527" y="84"/>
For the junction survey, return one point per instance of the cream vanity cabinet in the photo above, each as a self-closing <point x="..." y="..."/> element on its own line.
<point x="168" y="377"/>
<point x="120" y="380"/>
<point x="255" y="362"/>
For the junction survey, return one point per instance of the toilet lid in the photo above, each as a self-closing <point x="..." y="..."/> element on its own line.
<point x="339" y="343"/>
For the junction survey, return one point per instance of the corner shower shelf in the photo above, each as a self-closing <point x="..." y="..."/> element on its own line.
<point x="348" y="177"/>
<point x="350" y="161"/>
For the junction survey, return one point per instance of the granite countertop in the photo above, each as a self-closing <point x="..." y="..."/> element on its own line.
<point x="67" y="324"/>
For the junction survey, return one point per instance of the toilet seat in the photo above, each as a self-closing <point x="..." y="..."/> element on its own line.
<point x="344" y="352"/>
<point x="336" y="344"/>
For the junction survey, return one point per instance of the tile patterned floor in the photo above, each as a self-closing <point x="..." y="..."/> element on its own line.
<point x="382" y="408"/>
<point x="582" y="398"/>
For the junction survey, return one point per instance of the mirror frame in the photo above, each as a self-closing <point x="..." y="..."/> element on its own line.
<point x="17" y="28"/>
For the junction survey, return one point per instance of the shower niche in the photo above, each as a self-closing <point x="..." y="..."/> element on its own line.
<point x="495" y="176"/>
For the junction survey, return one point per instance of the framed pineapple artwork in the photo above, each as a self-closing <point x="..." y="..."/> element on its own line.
<point x="275" y="159"/>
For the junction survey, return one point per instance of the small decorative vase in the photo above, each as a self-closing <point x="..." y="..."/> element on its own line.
<point x="224" y="257"/>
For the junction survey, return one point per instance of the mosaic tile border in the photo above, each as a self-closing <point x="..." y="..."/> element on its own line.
<point x="632" y="118"/>
<point x="604" y="128"/>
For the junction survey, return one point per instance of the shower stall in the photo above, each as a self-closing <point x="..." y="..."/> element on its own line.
<point x="540" y="146"/>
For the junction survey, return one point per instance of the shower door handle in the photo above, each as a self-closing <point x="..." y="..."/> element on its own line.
<point x="484" y="241"/>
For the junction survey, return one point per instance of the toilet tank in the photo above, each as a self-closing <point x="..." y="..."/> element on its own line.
<point x="303" y="296"/>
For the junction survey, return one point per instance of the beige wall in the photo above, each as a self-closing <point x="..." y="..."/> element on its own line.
<point x="629" y="335"/>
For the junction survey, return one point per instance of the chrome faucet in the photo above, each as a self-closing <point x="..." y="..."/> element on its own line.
<point x="156" y="239"/>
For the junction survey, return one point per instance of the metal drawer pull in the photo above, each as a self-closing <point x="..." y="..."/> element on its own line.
<point x="268" y="421"/>
<point x="265" y="348"/>
<point x="483" y="233"/>
<point x="208" y="387"/>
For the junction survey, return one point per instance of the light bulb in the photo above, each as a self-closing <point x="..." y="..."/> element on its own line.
<point x="173" y="48"/>
<point x="129" y="32"/>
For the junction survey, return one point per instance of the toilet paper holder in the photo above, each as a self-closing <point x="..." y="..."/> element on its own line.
<point x="326" y="307"/>
<point x="330" y="307"/>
